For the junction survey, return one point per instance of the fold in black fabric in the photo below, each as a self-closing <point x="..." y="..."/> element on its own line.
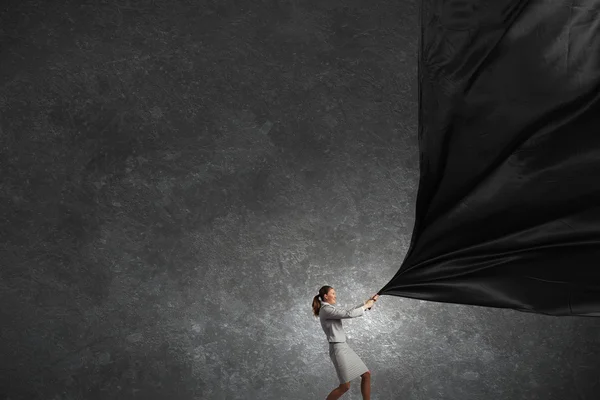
<point x="508" y="207"/>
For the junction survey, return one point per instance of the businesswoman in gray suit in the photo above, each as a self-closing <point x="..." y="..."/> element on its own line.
<point x="348" y="364"/>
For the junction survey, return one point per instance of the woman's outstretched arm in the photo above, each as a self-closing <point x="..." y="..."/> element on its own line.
<point x="340" y="313"/>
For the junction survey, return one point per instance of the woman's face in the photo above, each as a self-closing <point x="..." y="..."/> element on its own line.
<point x="330" y="297"/>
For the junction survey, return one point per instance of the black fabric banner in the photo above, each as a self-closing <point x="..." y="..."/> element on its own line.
<point x="508" y="207"/>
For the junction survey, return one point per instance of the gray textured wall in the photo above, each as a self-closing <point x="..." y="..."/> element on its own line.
<point x="179" y="179"/>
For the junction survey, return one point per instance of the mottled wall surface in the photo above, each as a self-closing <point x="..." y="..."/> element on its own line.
<point x="180" y="177"/>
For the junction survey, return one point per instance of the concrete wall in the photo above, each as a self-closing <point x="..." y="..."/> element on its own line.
<point x="180" y="177"/>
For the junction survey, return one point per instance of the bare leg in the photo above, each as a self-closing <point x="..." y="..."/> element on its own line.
<point x="339" y="391"/>
<point x="365" y="385"/>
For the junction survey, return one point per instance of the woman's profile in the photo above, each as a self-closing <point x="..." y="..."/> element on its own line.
<point x="347" y="363"/>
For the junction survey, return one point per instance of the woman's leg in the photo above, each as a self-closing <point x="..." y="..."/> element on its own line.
<point x="339" y="391"/>
<point x="365" y="385"/>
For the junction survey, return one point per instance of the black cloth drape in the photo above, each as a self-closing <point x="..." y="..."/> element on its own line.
<point x="508" y="207"/>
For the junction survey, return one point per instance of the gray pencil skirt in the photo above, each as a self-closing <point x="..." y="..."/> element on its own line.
<point x="348" y="364"/>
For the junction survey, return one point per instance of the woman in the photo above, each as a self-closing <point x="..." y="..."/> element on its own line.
<point x="348" y="364"/>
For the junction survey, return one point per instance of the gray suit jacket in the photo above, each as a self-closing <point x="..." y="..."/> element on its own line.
<point x="331" y="320"/>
